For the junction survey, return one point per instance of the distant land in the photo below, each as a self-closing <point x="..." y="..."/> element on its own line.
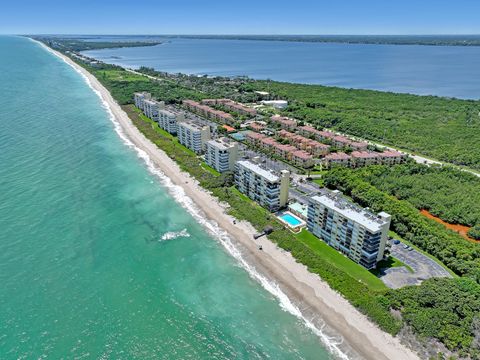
<point x="140" y="40"/>
<point x="432" y="40"/>
<point x="80" y="45"/>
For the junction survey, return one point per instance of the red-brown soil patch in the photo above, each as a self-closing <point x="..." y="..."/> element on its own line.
<point x="461" y="229"/>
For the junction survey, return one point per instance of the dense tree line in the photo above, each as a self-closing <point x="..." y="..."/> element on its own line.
<point x="443" y="128"/>
<point x="474" y="232"/>
<point x="445" y="309"/>
<point x="446" y="192"/>
<point x="123" y="84"/>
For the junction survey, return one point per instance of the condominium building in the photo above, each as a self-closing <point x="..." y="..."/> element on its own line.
<point x="152" y="107"/>
<point x="364" y="158"/>
<point x="266" y="188"/>
<point x="169" y="121"/>
<point x="193" y="135"/>
<point x="339" y="158"/>
<point x="140" y="97"/>
<point x="352" y="230"/>
<point x="221" y="154"/>
<point x="392" y="157"/>
<point x="285" y="122"/>
<point x="302" y="158"/>
<point x="208" y="112"/>
<point x="231" y="105"/>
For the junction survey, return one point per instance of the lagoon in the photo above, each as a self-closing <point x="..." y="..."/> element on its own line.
<point x="451" y="71"/>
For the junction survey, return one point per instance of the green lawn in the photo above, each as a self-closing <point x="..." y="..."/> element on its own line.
<point x="340" y="261"/>
<point x="390" y="262"/>
<point x="210" y="169"/>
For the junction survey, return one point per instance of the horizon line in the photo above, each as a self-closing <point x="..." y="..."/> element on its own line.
<point x="218" y="34"/>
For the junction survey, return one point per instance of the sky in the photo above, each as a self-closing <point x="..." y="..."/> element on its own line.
<point x="279" y="17"/>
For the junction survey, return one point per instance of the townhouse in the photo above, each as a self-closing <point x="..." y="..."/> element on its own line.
<point x="285" y="122"/>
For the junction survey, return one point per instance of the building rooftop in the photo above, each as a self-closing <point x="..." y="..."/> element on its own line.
<point x="299" y="208"/>
<point x="359" y="144"/>
<point x="284" y="120"/>
<point x="391" y="153"/>
<point x="269" y="141"/>
<point x="259" y="170"/>
<point x="342" y="139"/>
<point x="338" y="203"/>
<point x="193" y="125"/>
<point x="256" y="126"/>
<point x="190" y="102"/>
<point x="285" y="147"/>
<point x="255" y="135"/>
<point x="302" y="154"/>
<point x="228" y="128"/>
<point x="221" y="144"/>
<point x="365" y="155"/>
<point x="337" y="156"/>
<point x="167" y="112"/>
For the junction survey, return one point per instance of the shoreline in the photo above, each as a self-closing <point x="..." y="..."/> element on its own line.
<point x="306" y="290"/>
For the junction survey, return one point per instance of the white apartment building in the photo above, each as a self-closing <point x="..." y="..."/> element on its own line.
<point x="352" y="230"/>
<point x="152" y="107"/>
<point x="221" y="154"/>
<point x="193" y="135"/>
<point x="169" y="120"/>
<point x="140" y="97"/>
<point x="263" y="186"/>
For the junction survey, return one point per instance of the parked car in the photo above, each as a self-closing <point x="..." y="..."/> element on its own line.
<point x="405" y="246"/>
<point x="396" y="242"/>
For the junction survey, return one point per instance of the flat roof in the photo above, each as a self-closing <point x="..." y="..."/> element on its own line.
<point x="221" y="144"/>
<point x="300" y="208"/>
<point x="193" y="125"/>
<point x="259" y="170"/>
<point x="167" y="112"/>
<point x="351" y="211"/>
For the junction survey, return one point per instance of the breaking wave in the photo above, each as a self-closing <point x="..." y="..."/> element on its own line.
<point x="175" y="234"/>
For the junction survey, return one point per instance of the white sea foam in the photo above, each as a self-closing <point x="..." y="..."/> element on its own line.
<point x="175" y="234"/>
<point x="177" y="192"/>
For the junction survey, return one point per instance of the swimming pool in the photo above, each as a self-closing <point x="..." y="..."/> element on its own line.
<point x="291" y="220"/>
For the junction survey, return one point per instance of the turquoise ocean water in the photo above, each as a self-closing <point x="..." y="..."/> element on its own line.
<point x="97" y="258"/>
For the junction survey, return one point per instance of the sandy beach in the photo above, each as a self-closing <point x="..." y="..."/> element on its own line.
<point x="312" y="295"/>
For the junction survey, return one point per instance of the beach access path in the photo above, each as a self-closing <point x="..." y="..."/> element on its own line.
<point x="307" y="290"/>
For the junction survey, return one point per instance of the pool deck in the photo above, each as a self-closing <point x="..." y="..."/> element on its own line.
<point x="297" y="227"/>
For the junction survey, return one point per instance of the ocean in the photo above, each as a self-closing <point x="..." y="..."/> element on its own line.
<point x="450" y="71"/>
<point x="101" y="256"/>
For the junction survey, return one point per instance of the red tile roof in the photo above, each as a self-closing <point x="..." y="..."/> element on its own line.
<point x="337" y="156"/>
<point x="302" y="155"/>
<point x="365" y="155"/>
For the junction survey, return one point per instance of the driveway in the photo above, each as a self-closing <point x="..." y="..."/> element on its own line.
<point x="423" y="268"/>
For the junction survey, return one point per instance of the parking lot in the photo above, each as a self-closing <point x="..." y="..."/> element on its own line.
<point x="423" y="268"/>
